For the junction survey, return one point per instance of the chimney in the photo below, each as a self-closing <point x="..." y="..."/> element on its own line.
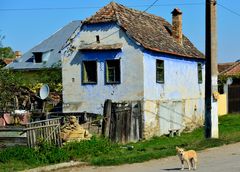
<point x="177" y="25"/>
<point x="18" y="54"/>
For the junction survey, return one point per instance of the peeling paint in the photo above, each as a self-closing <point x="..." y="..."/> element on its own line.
<point x="178" y="103"/>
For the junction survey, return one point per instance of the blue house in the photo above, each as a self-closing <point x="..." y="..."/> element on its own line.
<point x="127" y="55"/>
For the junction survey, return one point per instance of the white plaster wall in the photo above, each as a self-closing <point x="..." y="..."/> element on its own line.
<point x="90" y="98"/>
<point x="179" y="100"/>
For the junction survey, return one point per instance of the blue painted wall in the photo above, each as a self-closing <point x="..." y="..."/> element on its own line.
<point x="90" y="98"/>
<point x="178" y="103"/>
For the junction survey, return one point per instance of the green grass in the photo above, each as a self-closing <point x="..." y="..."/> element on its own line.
<point x="99" y="151"/>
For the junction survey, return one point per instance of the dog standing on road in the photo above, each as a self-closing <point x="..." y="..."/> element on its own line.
<point x="188" y="156"/>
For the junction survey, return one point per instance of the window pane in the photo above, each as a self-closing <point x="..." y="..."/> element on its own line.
<point x="89" y="72"/>
<point x="199" y="73"/>
<point x="160" y="71"/>
<point x="112" y="71"/>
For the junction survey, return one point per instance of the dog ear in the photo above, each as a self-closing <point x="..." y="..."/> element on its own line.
<point x="177" y="148"/>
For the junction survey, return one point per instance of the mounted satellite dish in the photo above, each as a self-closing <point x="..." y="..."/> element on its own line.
<point x="229" y="81"/>
<point x="44" y="91"/>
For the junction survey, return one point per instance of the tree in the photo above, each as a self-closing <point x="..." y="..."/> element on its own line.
<point x="9" y="84"/>
<point x="6" y="52"/>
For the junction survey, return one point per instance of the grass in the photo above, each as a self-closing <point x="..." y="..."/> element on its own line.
<point x="99" y="151"/>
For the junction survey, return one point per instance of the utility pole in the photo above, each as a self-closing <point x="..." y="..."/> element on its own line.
<point x="211" y="87"/>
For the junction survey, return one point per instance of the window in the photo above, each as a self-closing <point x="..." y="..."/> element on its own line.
<point x="160" y="71"/>
<point x="113" y="71"/>
<point x="97" y="39"/>
<point x="199" y="73"/>
<point x="38" y="57"/>
<point x="89" y="72"/>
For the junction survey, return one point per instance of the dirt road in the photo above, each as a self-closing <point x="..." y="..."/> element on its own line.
<point x="220" y="159"/>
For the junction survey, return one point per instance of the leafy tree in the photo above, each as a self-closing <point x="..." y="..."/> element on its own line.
<point x="9" y="83"/>
<point x="6" y="52"/>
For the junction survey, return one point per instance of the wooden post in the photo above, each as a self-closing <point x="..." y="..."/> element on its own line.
<point x="106" y="117"/>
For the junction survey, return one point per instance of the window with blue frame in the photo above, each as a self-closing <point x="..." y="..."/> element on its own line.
<point x="89" y="72"/>
<point x="159" y="71"/>
<point x="112" y="73"/>
<point x="199" y="66"/>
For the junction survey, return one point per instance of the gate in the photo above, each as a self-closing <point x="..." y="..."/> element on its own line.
<point x="45" y="130"/>
<point x="233" y="98"/>
<point x="123" y="121"/>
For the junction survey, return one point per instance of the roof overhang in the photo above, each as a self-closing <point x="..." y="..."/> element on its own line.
<point x="101" y="47"/>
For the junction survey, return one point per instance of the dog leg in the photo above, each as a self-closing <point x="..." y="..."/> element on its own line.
<point x="189" y="165"/>
<point x="182" y="162"/>
<point x="195" y="163"/>
<point x="192" y="163"/>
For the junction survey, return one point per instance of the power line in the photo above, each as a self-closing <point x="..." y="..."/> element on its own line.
<point x="228" y="9"/>
<point x="95" y="7"/>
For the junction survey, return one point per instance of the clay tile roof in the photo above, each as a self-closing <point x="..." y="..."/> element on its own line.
<point x="234" y="69"/>
<point x="8" y="60"/>
<point x="152" y="32"/>
<point x="223" y="66"/>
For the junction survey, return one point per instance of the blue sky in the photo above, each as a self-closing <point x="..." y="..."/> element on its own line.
<point x="24" y="29"/>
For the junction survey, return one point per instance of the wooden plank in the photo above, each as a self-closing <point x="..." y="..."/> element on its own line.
<point x="12" y="134"/>
<point x="11" y="141"/>
<point x="12" y="129"/>
<point x="106" y="117"/>
<point x="43" y="126"/>
<point x="113" y="124"/>
<point x="43" y="121"/>
<point x="140" y="120"/>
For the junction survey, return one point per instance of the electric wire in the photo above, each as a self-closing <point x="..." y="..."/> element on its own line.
<point x="229" y="10"/>
<point x="94" y="7"/>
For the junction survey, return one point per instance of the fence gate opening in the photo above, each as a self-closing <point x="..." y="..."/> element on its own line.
<point x="123" y="121"/>
<point x="45" y="130"/>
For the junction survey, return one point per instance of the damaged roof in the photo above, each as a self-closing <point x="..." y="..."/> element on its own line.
<point x="51" y="45"/>
<point x="152" y="32"/>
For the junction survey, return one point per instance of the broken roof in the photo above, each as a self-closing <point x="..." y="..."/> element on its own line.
<point x="152" y="32"/>
<point x="53" y="44"/>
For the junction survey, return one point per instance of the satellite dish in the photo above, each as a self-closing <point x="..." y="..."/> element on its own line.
<point x="44" y="91"/>
<point x="229" y="81"/>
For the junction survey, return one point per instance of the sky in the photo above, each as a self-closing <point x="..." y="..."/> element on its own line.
<point x="25" y="23"/>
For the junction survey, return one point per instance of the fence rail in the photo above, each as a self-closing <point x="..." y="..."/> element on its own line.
<point x="46" y="130"/>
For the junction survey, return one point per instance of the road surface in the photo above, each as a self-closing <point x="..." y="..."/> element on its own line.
<point x="220" y="159"/>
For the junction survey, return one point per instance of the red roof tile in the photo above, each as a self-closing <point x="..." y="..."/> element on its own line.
<point x="232" y="70"/>
<point x="223" y="66"/>
<point x="152" y="32"/>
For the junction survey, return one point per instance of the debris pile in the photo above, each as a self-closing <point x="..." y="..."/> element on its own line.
<point x="72" y="131"/>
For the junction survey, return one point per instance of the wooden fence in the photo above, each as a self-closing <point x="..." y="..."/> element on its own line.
<point x="123" y="122"/>
<point x="45" y="130"/>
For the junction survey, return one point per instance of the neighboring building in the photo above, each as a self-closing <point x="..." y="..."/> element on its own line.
<point x="127" y="55"/>
<point x="4" y="62"/>
<point x="229" y="74"/>
<point x="46" y="54"/>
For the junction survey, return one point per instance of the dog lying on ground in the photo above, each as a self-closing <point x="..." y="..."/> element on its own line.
<point x="188" y="156"/>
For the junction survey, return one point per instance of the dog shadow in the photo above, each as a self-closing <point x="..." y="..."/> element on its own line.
<point x="172" y="169"/>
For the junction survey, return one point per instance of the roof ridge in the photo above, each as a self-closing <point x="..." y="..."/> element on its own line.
<point x="136" y="23"/>
<point x="230" y="68"/>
